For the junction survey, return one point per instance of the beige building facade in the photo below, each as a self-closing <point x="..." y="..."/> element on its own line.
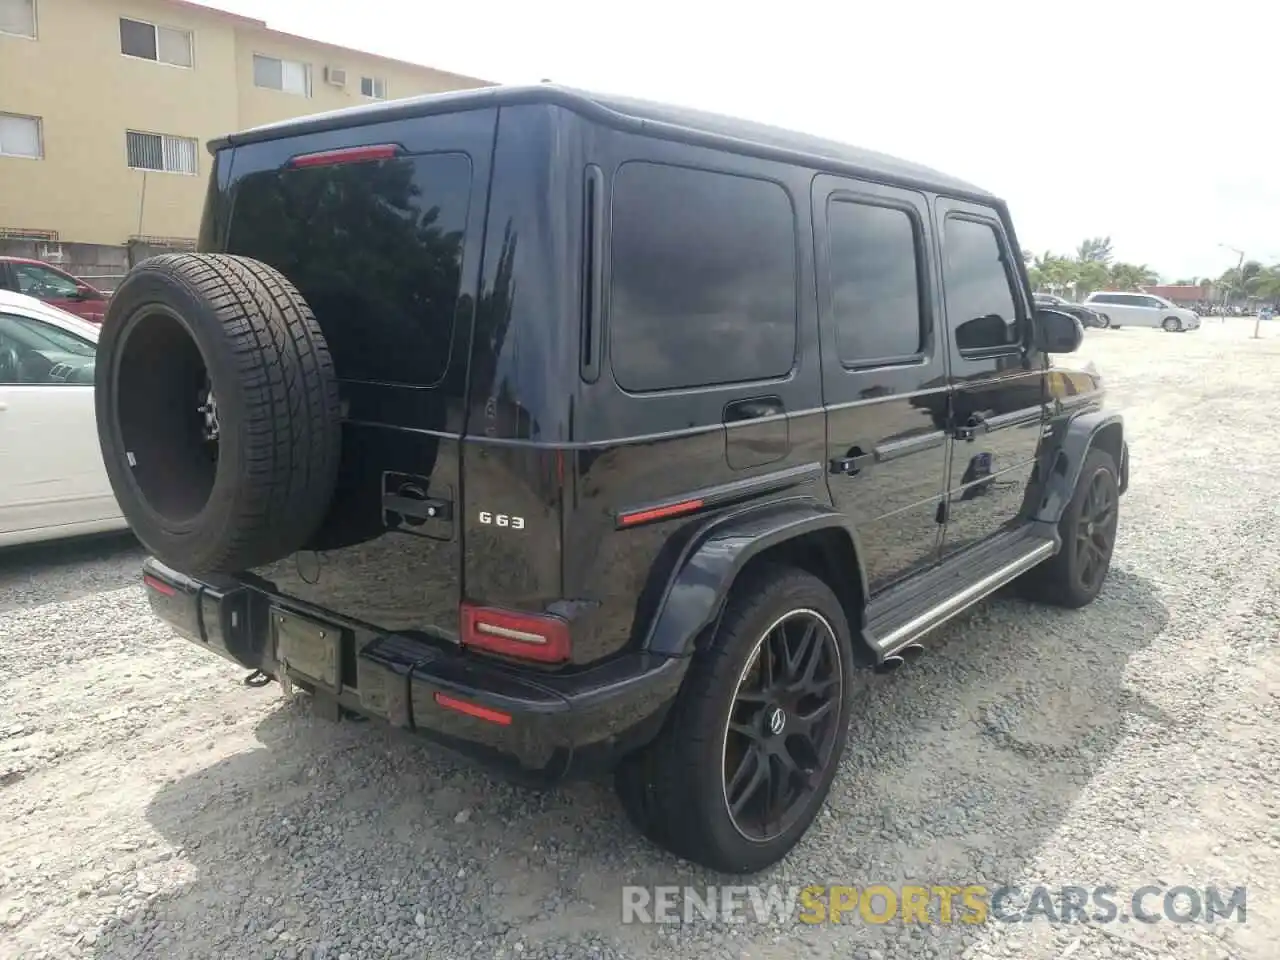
<point x="106" y="107"/>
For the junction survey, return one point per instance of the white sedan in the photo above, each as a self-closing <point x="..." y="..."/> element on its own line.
<point x="52" y="481"/>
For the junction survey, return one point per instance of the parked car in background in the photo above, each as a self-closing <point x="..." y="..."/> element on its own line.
<point x="1087" y="317"/>
<point x="1143" y="310"/>
<point x="52" y="483"/>
<point x="57" y="287"/>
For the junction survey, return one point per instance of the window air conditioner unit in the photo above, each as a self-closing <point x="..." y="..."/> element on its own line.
<point x="336" y="76"/>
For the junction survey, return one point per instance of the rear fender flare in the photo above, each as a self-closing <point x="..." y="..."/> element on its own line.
<point x="704" y="573"/>
<point x="1080" y="435"/>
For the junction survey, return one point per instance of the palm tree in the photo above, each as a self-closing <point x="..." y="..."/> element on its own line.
<point x="1131" y="276"/>
<point x="1091" y="276"/>
<point x="1267" y="283"/>
<point x="1095" y="250"/>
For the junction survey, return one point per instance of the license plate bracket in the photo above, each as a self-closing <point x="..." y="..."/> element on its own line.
<point x="308" y="648"/>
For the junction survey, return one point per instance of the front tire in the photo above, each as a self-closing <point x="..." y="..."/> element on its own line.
<point x="749" y="751"/>
<point x="1073" y="577"/>
<point x="1172" y="325"/>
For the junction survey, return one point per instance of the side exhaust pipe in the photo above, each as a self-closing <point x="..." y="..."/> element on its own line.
<point x="907" y="654"/>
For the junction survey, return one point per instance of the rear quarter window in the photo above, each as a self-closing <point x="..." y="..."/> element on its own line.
<point x="703" y="278"/>
<point x="376" y="250"/>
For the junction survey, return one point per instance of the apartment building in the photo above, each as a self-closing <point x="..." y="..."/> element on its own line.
<point x="106" y="107"/>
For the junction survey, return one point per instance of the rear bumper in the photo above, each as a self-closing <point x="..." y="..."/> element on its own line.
<point x="534" y="726"/>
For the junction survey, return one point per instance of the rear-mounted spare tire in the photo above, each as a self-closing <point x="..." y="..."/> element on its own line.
<point x="218" y="411"/>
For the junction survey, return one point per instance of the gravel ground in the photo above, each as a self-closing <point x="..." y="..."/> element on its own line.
<point x="156" y="807"/>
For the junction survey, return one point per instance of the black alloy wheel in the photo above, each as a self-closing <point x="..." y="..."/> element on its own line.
<point x="748" y="752"/>
<point x="1096" y="529"/>
<point x="1073" y="577"/>
<point x="781" y="730"/>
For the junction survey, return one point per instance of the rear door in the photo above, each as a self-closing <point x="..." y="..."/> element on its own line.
<point x="883" y="372"/>
<point x="1135" y="310"/>
<point x="380" y="228"/>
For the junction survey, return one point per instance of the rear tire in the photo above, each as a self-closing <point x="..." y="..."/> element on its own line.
<point x="677" y="789"/>
<point x="1073" y="577"/>
<point x="1104" y="321"/>
<point x="218" y="412"/>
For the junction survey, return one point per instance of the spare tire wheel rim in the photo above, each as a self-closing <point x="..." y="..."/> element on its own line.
<point x="171" y="429"/>
<point x="779" y="739"/>
<point x="208" y="409"/>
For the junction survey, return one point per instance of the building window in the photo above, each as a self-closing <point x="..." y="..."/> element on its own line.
<point x="20" y="136"/>
<point x="146" y="41"/>
<point x="289" y="76"/>
<point x="28" y="233"/>
<point x="18" y="17"/>
<point x="155" y="151"/>
<point x="373" y="88"/>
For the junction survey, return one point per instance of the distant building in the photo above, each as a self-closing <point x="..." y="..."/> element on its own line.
<point x="106" y="106"/>
<point x="1181" y="293"/>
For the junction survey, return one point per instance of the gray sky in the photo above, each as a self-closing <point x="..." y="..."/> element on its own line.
<point x="1156" y="123"/>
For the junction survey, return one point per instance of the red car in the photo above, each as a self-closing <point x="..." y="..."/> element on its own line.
<point x="54" y="286"/>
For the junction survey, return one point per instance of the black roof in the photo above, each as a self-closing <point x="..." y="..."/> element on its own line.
<point x="642" y="116"/>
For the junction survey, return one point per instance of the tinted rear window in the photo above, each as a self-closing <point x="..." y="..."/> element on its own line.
<point x="703" y="284"/>
<point x="875" y="282"/>
<point x="376" y="250"/>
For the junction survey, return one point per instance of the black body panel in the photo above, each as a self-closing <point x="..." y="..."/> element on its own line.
<point x="537" y="419"/>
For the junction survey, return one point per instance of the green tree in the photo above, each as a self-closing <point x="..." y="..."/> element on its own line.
<point x="1095" y="250"/>
<point x="1131" y="276"/>
<point x="1244" y="280"/>
<point x="1091" y="276"/>
<point x="1267" y="283"/>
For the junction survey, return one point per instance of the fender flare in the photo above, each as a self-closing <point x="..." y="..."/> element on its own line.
<point x="704" y="572"/>
<point x="1078" y="436"/>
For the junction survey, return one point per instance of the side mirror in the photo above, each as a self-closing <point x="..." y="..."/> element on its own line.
<point x="86" y="292"/>
<point x="1058" y="332"/>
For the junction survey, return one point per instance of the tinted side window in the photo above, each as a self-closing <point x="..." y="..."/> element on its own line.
<point x="1104" y="298"/>
<point x="703" y="285"/>
<point x="34" y="352"/>
<point x="875" y="282"/>
<point x="981" y="308"/>
<point x="376" y="250"/>
<point x="42" y="282"/>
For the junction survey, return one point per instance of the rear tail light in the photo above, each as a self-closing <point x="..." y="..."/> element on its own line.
<point x="525" y="636"/>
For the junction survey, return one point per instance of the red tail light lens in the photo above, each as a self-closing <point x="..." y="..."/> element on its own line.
<point x="525" y="636"/>
<point x="328" y="158"/>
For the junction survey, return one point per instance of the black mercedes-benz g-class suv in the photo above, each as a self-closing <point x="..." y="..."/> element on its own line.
<point x="589" y="434"/>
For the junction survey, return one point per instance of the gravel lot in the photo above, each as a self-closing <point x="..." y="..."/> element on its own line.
<point x="156" y="807"/>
